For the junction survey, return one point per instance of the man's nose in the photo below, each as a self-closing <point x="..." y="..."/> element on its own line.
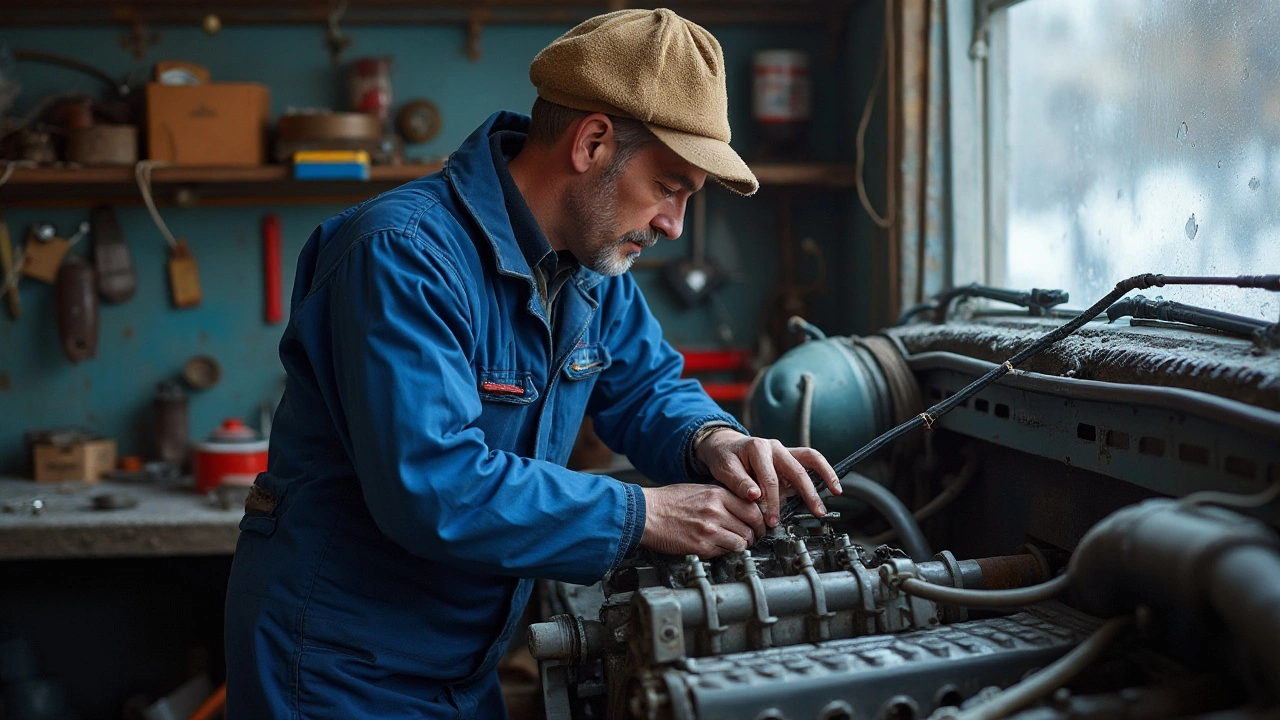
<point x="670" y="224"/>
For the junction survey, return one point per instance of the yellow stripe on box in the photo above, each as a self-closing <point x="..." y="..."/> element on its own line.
<point x="332" y="156"/>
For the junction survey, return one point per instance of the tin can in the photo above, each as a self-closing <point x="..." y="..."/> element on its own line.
<point x="171" y="418"/>
<point x="781" y="102"/>
<point x="371" y="86"/>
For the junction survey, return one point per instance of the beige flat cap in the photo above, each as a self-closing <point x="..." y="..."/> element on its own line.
<point x="658" y="68"/>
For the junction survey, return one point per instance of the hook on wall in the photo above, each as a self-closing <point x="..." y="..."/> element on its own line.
<point x="334" y="39"/>
<point x="476" y="18"/>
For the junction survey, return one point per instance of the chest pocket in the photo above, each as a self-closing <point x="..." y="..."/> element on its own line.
<point x="507" y="386"/>
<point x="586" y="360"/>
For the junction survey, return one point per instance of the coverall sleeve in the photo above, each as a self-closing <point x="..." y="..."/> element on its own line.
<point x="640" y="405"/>
<point x="401" y="342"/>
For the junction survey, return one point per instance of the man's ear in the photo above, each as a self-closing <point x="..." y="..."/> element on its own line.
<point x="593" y="143"/>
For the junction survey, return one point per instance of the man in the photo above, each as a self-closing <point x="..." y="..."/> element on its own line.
<point x="446" y="340"/>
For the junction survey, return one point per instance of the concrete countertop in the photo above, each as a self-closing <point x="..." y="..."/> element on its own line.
<point x="167" y="520"/>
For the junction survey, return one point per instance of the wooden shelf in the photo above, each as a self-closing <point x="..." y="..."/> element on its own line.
<point x="814" y="175"/>
<point x="204" y="186"/>
<point x="274" y="184"/>
<point x="400" y="12"/>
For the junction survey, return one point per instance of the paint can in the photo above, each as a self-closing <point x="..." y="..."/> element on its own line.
<point x="781" y="102"/>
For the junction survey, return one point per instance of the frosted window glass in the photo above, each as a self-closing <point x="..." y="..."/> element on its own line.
<point x="1144" y="136"/>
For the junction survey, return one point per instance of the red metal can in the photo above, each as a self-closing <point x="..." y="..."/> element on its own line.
<point x="234" y="454"/>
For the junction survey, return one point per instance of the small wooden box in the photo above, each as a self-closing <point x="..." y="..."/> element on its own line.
<point x="212" y="124"/>
<point x="87" y="460"/>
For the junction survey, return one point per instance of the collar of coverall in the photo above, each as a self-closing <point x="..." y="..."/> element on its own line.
<point x="471" y="174"/>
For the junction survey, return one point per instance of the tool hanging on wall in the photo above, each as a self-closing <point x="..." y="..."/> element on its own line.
<point x="77" y="309"/>
<point x="695" y="278"/>
<point x="184" y="275"/>
<point x="334" y="39"/>
<point x="9" y="271"/>
<point x="271" y="269"/>
<point x="117" y="277"/>
<point x="42" y="253"/>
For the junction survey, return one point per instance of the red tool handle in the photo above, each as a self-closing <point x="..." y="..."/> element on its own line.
<point x="271" y="268"/>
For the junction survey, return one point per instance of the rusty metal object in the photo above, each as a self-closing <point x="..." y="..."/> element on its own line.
<point x="201" y="372"/>
<point x="103" y="145"/>
<point x="1011" y="571"/>
<point x="330" y="126"/>
<point x="327" y="131"/>
<point x="77" y="310"/>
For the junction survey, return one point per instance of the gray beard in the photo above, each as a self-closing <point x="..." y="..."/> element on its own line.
<point x="593" y="213"/>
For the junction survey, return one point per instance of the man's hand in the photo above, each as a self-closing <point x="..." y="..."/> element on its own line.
<point x="704" y="520"/>
<point x="755" y="469"/>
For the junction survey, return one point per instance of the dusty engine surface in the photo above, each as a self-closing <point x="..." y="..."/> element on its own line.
<point x="1119" y="545"/>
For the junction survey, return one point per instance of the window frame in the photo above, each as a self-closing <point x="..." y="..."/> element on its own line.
<point x="979" y="78"/>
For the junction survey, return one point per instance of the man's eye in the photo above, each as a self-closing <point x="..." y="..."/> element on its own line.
<point x="666" y="191"/>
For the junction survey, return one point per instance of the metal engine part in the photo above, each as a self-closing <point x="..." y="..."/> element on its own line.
<point x="868" y="677"/>
<point x="665" y="634"/>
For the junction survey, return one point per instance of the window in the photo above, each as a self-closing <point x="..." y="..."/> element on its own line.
<point x="1131" y="136"/>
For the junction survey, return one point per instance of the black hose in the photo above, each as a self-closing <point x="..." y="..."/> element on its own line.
<point x="893" y="511"/>
<point x="930" y="416"/>
<point x="1147" y="309"/>
<point x="1037" y="300"/>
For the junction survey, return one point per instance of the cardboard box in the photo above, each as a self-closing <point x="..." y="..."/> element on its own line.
<point x="84" y="460"/>
<point x="213" y="124"/>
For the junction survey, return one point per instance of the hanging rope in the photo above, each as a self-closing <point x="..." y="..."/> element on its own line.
<point x="142" y="174"/>
<point x="859" y="150"/>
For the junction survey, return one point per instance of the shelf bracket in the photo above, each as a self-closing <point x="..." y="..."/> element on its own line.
<point x="138" y="38"/>
<point x="476" y="19"/>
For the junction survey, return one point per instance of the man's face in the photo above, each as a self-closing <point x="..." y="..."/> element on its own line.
<point x="623" y="208"/>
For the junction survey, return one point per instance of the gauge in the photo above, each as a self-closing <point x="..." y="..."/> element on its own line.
<point x="418" y="121"/>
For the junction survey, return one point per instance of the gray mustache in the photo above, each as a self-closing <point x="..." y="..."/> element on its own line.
<point x="643" y="238"/>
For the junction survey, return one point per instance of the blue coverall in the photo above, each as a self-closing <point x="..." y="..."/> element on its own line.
<point x="416" y="481"/>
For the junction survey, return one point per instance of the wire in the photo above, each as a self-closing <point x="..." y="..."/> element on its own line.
<point x="988" y="599"/>
<point x="8" y="171"/>
<point x="1215" y="497"/>
<point x="1050" y="678"/>
<point x="142" y="173"/>
<point x="893" y="511"/>
<point x="859" y="150"/>
<point x="121" y="89"/>
<point x="950" y="492"/>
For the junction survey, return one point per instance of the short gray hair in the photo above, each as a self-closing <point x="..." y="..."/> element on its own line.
<point x="551" y="120"/>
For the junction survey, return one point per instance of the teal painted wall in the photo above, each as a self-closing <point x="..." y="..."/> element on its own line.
<point x="145" y="340"/>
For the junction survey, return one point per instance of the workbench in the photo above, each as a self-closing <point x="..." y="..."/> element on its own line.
<point x="168" y="520"/>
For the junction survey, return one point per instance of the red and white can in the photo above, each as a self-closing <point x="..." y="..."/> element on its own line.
<point x="234" y="454"/>
<point x="780" y="86"/>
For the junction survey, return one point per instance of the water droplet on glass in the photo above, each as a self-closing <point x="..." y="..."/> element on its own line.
<point x="1204" y="113"/>
<point x="1244" y="75"/>
<point x="1182" y="132"/>
<point x="1192" y="228"/>
<point x="1219" y="164"/>
<point x="1118" y="194"/>
<point x="1254" y="183"/>
<point x="1193" y="143"/>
